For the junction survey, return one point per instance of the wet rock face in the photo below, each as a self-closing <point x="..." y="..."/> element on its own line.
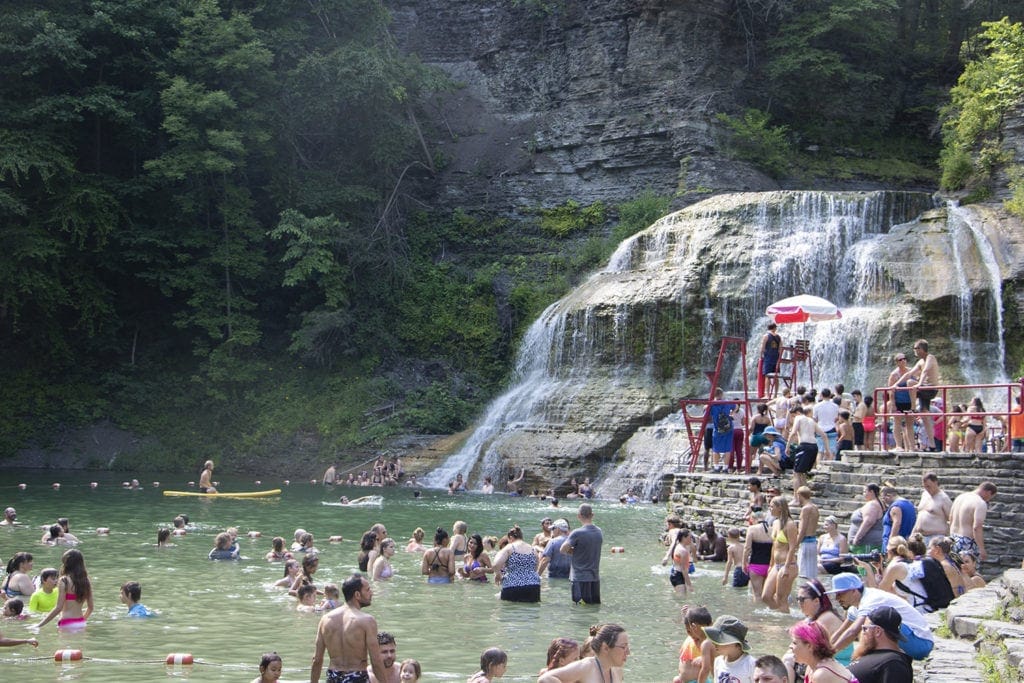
<point x="613" y="356"/>
<point x="599" y="99"/>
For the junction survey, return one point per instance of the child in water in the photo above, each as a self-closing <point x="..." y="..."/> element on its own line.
<point x="270" y="668"/>
<point x="131" y="593"/>
<point x="734" y="560"/>
<point x="13" y="609"/>
<point x="493" y="662"/>
<point x="307" y="598"/>
<point x="410" y="671"/>
<point x="331" y="597"/>
<point x="697" y="654"/>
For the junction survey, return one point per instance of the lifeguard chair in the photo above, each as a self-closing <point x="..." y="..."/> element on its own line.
<point x="790" y="358"/>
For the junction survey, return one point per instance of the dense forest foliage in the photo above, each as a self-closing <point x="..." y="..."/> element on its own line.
<point x="206" y="237"/>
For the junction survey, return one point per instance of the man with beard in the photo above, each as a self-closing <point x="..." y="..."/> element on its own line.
<point x="349" y="636"/>
<point x="388" y="655"/>
<point x="877" y="657"/>
<point x="861" y="602"/>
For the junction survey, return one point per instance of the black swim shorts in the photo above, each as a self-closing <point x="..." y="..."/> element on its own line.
<point x="347" y="676"/>
<point x="806" y="457"/>
<point x="925" y="396"/>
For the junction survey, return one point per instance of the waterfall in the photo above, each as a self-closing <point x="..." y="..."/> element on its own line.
<point x="604" y="361"/>
<point x="975" y="262"/>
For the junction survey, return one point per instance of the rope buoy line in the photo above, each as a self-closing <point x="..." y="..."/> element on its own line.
<point x="167" y="661"/>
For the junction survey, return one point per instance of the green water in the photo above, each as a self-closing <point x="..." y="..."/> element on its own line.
<point x="226" y="613"/>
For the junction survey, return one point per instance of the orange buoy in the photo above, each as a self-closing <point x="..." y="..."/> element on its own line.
<point x="179" y="658"/>
<point x="618" y="549"/>
<point x="67" y="655"/>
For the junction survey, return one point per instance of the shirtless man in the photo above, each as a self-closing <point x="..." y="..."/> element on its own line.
<point x="388" y="654"/>
<point x="349" y="636"/>
<point x="10" y="518"/>
<point x="900" y="403"/>
<point x="933" y="510"/>
<point x="923" y="375"/>
<point x="205" y="483"/>
<point x="967" y="520"/>
<point x="331" y="475"/>
<point x="807" y="532"/>
<point x="512" y="486"/>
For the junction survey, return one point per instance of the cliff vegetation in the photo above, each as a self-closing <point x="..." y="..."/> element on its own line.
<point x="232" y="226"/>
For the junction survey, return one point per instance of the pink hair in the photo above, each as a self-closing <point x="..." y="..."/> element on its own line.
<point x="815" y="635"/>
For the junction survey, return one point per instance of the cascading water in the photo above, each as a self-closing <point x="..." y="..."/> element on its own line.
<point x="975" y="258"/>
<point x="597" y="362"/>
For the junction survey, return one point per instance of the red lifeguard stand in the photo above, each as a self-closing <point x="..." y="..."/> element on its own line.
<point x="696" y="425"/>
<point x="790" y="359"/>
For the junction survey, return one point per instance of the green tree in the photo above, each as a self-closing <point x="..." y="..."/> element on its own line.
<point x="992" y="83"/>
<point x="76" y="104"/>
<point x="216" y="80"/>
<point x="829" y="66"/>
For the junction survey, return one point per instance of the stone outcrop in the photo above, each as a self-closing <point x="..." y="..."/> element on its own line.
<point x="992" y="620"/>
<point x="611" y="358"/>
<point x="595" y="100"/>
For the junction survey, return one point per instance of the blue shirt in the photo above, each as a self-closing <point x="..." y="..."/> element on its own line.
<point x="558" y="562"/>
<point x="907" y="521"/>
<point x="140" y="610"/>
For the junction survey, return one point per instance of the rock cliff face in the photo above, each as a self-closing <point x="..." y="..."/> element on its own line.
<point x="608" y="361"/>
<point x="597" y="100"/>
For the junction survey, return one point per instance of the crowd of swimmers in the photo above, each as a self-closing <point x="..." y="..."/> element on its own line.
<point x="895" y="563"/>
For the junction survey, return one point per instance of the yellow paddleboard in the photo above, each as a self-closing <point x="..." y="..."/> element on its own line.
<point x="245" y="494"/>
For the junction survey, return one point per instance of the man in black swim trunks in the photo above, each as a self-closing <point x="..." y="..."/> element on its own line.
<point x="349" y="636"/>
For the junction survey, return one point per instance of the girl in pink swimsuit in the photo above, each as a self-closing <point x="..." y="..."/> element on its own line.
<point x="73" y="592"/>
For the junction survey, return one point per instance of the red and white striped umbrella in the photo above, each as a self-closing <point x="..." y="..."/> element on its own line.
<point x="803" y="308"/>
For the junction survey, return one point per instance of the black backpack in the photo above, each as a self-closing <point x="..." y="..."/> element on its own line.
<point x="938" y="592"/>
<point x="722" y="422"/>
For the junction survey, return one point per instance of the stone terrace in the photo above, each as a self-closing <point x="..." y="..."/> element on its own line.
<point x="987" y="624"/>
<point x="838" y="487"/>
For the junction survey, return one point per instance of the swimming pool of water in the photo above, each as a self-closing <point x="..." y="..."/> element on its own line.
<point x="226" y="614"/>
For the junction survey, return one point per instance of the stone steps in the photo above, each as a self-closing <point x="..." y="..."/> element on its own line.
<point x="838" y="488"/>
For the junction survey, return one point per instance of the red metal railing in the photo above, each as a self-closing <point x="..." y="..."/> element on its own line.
<point x="882" y="395"/>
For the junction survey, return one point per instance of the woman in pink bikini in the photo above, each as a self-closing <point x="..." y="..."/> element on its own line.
<point x="73" y="591"/>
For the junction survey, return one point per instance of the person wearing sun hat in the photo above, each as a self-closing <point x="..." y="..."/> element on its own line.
<point x="733" y="660"/>
<point x="860" y="602"/>
<point x="773" y="455"/>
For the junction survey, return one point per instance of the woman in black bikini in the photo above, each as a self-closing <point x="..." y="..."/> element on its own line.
<point x="439" y="562"/>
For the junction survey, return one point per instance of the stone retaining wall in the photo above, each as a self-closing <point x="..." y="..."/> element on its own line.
<point x="986" y="624"/>
<point x="838" y="490"/>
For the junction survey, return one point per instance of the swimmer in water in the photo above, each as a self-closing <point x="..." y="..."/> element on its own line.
<point x="18" y="583"/>
<point x="410" y="671"/>
<point x="13" y="609"/>
<point x="292" y="569"/>
<point x="307" y="598"/>
<point x="332" y="596"/>
<point x="74" y="593"/>
<point x="270" y="668"/>
<point x="206" y="478"/>
<point x="131" y="593"/>
<point x="278" y="553"/>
